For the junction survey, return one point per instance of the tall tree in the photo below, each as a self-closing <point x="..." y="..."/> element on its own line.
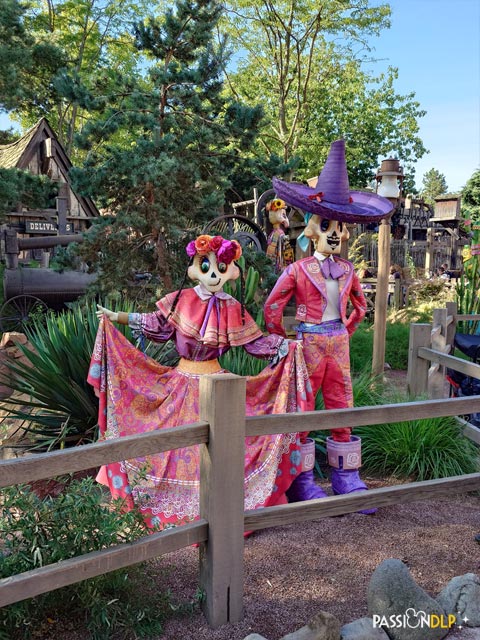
<point x="23" y="58"/>
<point x="433" y="184"/>
<point x="95" y="40"/>
<point x="163" y="147"/>
<point x="302" y="60"/>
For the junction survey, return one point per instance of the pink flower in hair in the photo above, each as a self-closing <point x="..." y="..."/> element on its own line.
<point x="190" y="249"/>
<point x="227" y="252"/>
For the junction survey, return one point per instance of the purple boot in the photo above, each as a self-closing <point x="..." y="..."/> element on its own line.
<point x="304" y="487"/>
<point x="345" y="460"/>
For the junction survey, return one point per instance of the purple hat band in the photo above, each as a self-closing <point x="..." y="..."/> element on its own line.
<point x="331" y="198"/>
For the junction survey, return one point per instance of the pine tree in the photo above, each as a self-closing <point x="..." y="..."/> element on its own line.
<point x="163" y="148"/>
<point x="434" y="184"/>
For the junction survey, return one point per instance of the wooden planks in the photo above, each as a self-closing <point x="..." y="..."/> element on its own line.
<point x="338" y="505"/>
<point x="360" y="416"/>
<point x="222" y="404"/>
<point x="32" y="583"/>
<point x="47" y="465"/>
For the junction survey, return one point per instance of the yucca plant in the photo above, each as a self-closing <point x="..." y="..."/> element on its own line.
<point x="56" y="403"/>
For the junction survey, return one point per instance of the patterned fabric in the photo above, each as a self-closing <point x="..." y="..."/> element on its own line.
<point x="279" y="250"/>
<point x="222" y="328"/>
<point x="327" y="356"/>
<point x="305" y="280"/>
<point x="138" y="395"/>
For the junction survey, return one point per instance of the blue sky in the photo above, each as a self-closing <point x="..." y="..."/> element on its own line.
<point x="435" y="44"/>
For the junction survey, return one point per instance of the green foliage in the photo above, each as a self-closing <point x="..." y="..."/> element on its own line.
<point x="35" y="532"/>
<point x="419" y="449"/>
<point x="59" y="404"/>
<point x="238" y="361"/>
<point x="434" y="184"/>
<point x="32" y="191"/>
<point x="162" y="148"/>
<point x="471" y="197"/>
<point x="23" y="57"/>
<point x="396" y="346"/>
<point x="65" y="259"/>
<point x="468" y="287"/>
<point x="316" y="90"/>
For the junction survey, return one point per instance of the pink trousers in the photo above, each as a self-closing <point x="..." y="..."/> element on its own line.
<point x="327" y="356"/>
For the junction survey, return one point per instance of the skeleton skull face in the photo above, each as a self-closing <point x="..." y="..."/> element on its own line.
<point x="277" y="213"/>
<point x="327" y="235"/>
<point x="212" y="274"/>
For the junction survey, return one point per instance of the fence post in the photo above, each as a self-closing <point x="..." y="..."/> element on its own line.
<point x="436" y="374"/>
<point x="417" y="375"/>
<point x="222" y="460"/>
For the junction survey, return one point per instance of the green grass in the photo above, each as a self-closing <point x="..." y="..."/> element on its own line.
<point x="421" y="449"/>
<point x="396" y="346"/>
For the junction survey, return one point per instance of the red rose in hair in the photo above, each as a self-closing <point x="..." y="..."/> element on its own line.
<point x="216" y="243"/>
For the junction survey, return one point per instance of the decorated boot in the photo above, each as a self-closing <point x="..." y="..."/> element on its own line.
<point x="304" y="487"/>
<point x="345" y="458"/>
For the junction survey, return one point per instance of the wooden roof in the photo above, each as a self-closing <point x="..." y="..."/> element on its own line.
<point x="19" y="154"/>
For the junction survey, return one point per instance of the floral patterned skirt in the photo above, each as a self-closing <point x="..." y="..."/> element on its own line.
<point x="138" y="395"/>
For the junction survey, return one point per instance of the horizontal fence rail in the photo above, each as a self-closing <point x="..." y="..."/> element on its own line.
<point x="351" y="503"/>
<point x="359" y="416"/>
<point x="220" y="432"/>
<point x="61" y="574"/>
<point x="54" y="463"/>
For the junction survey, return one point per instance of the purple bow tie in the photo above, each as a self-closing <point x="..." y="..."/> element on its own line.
<point x="331" y="269"/>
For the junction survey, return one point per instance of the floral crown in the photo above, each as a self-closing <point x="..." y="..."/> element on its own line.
<point x="225" y="250"/>
<point x="276" y="205"/>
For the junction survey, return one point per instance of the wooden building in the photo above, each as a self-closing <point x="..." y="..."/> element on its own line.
<point x="40" y="152"/>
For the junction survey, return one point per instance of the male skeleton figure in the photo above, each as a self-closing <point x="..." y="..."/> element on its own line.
<point x="324" y="285"/>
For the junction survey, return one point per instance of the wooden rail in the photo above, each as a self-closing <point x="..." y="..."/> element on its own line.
<point x="220" y="433"/>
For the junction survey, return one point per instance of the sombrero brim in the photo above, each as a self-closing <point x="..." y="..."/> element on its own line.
<point x="365" y="207"/>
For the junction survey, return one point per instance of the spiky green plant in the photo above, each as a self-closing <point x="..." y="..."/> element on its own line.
<point x="238" y="361"/>
<point x="58" y="406"/>
<point x="421" y="449"/>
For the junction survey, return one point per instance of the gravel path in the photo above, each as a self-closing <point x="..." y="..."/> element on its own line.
<point x="292" y="572"/>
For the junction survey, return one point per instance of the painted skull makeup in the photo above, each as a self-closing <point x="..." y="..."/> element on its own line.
<point x="277" y="213"/>
<point x="327" y="235"/>
<point x="211" y="273"/>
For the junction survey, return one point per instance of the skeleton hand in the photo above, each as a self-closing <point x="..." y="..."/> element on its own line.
<point x="111" y="315"/>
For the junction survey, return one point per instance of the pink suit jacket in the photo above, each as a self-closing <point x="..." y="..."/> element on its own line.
<point x="305" y="280"/>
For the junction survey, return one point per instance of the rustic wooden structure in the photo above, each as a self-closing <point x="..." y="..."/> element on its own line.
<point x="219" y="529"/>
<point x="40" y="152"/>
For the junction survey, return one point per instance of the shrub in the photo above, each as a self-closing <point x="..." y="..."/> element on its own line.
<point x="36" y="532"/>
<point x="421" y="449"/>
<point x="60" y="406"/>
<point x="396" y="346"/>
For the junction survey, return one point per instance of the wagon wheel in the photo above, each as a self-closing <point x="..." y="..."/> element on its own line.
<point x="19" y="312"/>
<point x="235" y="227"/>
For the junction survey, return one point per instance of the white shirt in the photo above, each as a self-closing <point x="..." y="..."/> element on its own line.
<point x="332" y="312"/>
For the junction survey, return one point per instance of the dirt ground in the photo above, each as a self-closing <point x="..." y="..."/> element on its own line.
<point x="295" y="571"/>
<point x="292" y="572"/>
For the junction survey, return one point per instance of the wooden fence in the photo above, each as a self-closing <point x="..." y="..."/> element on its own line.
<point x="220" y="432"/>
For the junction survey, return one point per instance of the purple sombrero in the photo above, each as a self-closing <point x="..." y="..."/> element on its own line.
<point x="331" y="198"/>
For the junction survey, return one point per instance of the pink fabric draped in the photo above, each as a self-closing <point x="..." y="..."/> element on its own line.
<point x="137" y="395"/>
